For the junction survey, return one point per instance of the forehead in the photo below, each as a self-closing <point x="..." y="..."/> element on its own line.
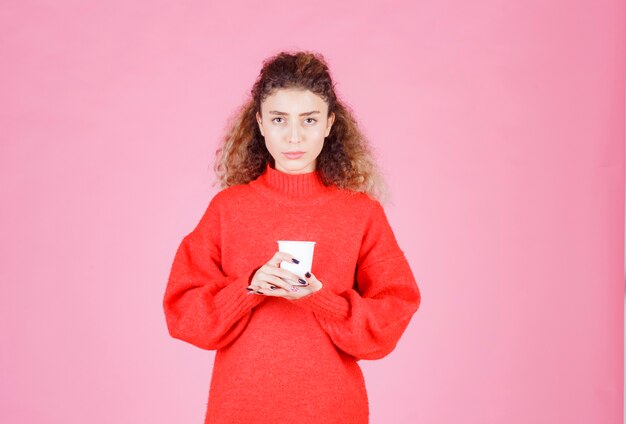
<point x="294" y="100"/>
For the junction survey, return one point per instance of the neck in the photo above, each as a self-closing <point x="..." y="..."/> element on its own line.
<point x="290" y="188"/>
<point x="295" y="185"/>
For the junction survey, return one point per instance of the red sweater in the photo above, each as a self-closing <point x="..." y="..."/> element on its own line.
<point x="280" y="360"/>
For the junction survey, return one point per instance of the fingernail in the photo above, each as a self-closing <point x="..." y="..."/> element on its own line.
<point x="249" y="289"/>
<point x="307" y="275"/>
<point x="294" y="260"/>
<point x="259" y="291"/>
<point x="272" y="287"/>
<point x="301" y="281"/>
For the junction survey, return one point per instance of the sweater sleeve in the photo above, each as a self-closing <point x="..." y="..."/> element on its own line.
<point x="367" y="320"/>
<point x="202" y="305"/>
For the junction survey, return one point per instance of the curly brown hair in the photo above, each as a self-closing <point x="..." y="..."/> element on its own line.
<point x="346" y="159"/>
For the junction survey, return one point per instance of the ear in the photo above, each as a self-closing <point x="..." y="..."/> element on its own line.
<point x="329" y="123"/>
<point x="259" y="121"/>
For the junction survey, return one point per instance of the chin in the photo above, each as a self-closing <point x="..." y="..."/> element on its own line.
<point x="296" y="165"/>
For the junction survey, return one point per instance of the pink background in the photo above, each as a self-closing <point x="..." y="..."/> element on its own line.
<point x="499" y="125"/>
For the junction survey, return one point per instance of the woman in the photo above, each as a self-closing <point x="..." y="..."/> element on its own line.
<point x="293" y="166"/>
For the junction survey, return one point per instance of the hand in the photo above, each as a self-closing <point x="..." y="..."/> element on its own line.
<point x="295" y="291"/>
<point x="269" y="280"/>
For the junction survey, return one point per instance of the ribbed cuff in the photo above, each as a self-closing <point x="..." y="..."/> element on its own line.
<point x="233" y="300"/>
<point x="326" y="304"/>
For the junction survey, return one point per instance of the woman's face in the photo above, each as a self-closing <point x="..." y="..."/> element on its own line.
<point x="294" y="120"/>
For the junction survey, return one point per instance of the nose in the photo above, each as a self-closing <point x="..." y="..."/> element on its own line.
<point x="295" y="133"/>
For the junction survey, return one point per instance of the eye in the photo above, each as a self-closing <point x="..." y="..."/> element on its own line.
<point x="276" y="119"/>
<point x="312" y="119"/>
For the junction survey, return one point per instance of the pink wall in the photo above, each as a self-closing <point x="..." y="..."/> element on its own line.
<point x="501" y="129"/>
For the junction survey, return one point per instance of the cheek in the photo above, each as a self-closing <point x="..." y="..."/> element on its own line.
<point x="271" y="145"/>
<point x="316" y="134"/>
<point x="319" y="143"/>
<point x="274" y="132"/>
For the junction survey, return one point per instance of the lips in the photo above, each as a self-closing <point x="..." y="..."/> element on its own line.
<point x="293" y="155"/>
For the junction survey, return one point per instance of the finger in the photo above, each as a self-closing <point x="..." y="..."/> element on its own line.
<point x="256" y="285"/>
<point x="265" y="280"/>
<point x="309" y="276"/>
<point x="267" y="287"/>
<point x="282" y="256"/>
<point x="285" y="274"/>
<point x="276" y="292"/>
<point x="284" y="292"/>
<point x="253" y="288"/>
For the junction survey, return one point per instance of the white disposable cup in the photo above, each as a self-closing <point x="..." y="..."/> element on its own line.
<point x="302" y="251"/>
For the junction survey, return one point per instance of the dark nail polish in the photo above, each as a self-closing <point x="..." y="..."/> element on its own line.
<point x="259" y="291"/>
<point x="248" y="288"/>
<point x="301" y="281"/>
<point x="294" y="260"/>
<point x="272" y="287"/>
<point x="308" y="275"/>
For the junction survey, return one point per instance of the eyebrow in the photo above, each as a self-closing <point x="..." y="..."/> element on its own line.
<point x="276" y="112"/>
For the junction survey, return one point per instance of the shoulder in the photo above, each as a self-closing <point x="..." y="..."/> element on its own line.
<point x="362" y="203"/>
<point x="222" y="203"/>
<point x="232" y="195"/>
<point x="370" y="213"/>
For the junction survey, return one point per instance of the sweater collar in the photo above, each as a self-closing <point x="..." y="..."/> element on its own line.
<point x="292" y="185"/>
